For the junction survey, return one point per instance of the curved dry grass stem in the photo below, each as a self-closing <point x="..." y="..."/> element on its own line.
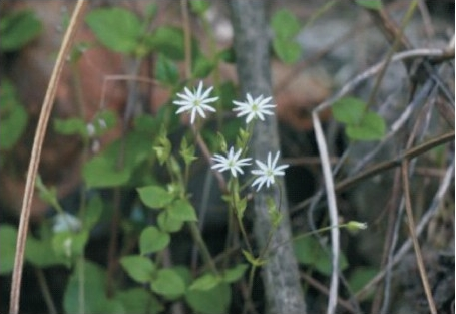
<point x="35" y="156"/>
<point x="416" y="245"/>
<point x="333" y="212"/>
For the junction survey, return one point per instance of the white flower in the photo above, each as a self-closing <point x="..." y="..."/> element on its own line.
<point x="196" y="102"/>
<point x="232" y="162"/>
<point x="267" y="173"/>
<point x="254" y="107"/>
<point x="66" y="222"/>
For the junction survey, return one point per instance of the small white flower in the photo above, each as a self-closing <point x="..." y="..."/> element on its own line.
<point x="267" y="173"/>
<point x="66" y="222"/>
<point x="232" y="162"/>
<point x="254" y="107"/>
<point x="196" y="102"/>
<point x="90" y="129"/>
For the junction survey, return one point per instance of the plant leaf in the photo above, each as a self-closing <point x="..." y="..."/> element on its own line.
<point x="213" y="301"/>
<point x="154" y="196"/>
<point x="100" y="172"/>
<point x="71" y="126"/>
<point x="349" y="110"/>
<point x="17" y="29"/>
<point x="285" y="24"/>
<point x="310" y="253"/>
<point x="13" y="117"/>
<point x="168" y="284"/>
<point x="371" y="127"/>
<point x="140" y="268"/>
<point x="138" y="300"/>
<point x="288" y="51"/>
<point x="8" y="234"/>
<point x="234" y="274"/>
<point x="168" y="223"/>
<point x="182" y="210"/>
<point x="166" y="71"/>
<point x="93" y="285"/>
<point x="152" y="240"/>
<point x="205" y="282"/>
<point x="116" y="28"/>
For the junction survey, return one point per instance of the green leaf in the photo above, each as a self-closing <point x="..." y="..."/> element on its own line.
<point x="213" y="301"/>
<point x="34" y="253"/>
<point x="13" y="116"/>
<point x="285" y="24"/>
<point x="287" y="50"/>
<point x="154" y="196"/>
<point x="274" y="213"/>
<point x="8" y="234"/>
<point x="371" y="127"/>
<point x="140" y="268"/>
<point x="202" y="67"/>
<point x="48" y="195"/>
<point x="17" y="29"/>
<point x="92" y="280"/>
<point x="234" y="274"/>
<point x="163" y="147"/>
<point x="349" y="110"/>
<point x="205" y="282"/>
<point x="360" y="277"/>
<point x="93" y="212"/>
<point x="103" y="121"/>
<point x="152" y="240"/>
<point x="168" y="223"/>
<point x="116" y="28"/>
<point x="151" y="11"/>
<point x="168" y="284"/>
<point x="146" y="123"/>
<point x="310" y="253"/>
<point x="167" y="40"/>
<point x="71" y="126"/>
<point x="136" y="149"/>
<point x="370" y="4"/>
<point x="199" y="6"/>
<point x="69" y="245"/>
<point x="187" y="152"/>
<point x="138" y="300"/>
<point x="101" y="172"/>
<point x="227" y="55"/>
<point x="182" y="210"/>
<point x="166" y="70"/>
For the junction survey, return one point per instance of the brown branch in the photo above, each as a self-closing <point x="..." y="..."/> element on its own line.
<point x="416" y="245"/>
<point x="387" y="165"/>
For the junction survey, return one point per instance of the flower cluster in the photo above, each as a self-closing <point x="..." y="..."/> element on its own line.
<point x="265" y="173"/>
<point x="198" y="101"/>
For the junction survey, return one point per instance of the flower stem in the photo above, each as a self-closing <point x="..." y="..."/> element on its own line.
<point x="196" y="235"/>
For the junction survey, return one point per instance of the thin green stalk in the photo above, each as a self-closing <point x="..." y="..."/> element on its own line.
<point x="251" y="278"/>
<point x="45" y="291"/>
<point x="81" y="279"/>
<point x="196" y="235"/>
<point x="244" y="233"/>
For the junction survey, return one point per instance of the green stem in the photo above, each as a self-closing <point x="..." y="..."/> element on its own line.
<point x="196" y="235"/>
<point x="251" y="278"/>
<point x="45" y="291"/>
<point x="81" y="279"/>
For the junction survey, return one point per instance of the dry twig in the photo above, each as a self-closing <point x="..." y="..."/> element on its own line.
<point x="35" y="156"/>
